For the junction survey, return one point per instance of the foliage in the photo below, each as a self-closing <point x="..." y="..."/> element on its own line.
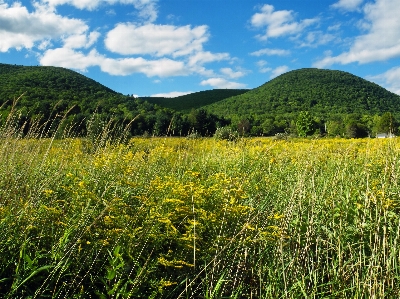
<point x="305" y="124"/>
<point x="186" y="218"/>
<point x="52" y="93"/>
<point x="226" y="133"/>
<point x="194" y="100"/>
<point x="340" y="105"/>
<point x="325" y="94"/>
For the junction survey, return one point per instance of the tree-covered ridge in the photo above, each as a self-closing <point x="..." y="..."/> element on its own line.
<point x="195" y="100"/>
<point x="302" y="102"/>
<point x="322" y="92"/>
<point x="86" y="105"/>
<point x="44" y="87"/>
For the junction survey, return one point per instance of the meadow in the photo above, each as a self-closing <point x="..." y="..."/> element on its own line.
<point x="199" y="218"/>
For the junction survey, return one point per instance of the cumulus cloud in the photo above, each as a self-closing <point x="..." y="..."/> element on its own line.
<point x="347" y="5"/>
<point x="70" y="58"/>
<point x="389" y="79"/>
<point x="158" y="40"/>
<point x="278" y="23"/>
<point x="179" y="42"/>
<point x="222" y="83"/>
<point x="172" y="94"/>
<point x="230" y="73"/>
<point x="20" y="28"/>
<point x="81" y="40"/>
<point x="163" y="67"/>
<point x="150" y="49"/>
<point x="270" y="52"/>
<point x="380" y="43"/>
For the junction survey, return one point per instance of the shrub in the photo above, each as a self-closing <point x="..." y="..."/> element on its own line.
<point x="226" y="133"/>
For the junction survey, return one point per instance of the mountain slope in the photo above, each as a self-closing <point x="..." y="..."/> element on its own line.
<point x="322" y="92"/>
<point x="47" y="86"/>
<point x="50" y="92"/>
<point x="195" y="100"/>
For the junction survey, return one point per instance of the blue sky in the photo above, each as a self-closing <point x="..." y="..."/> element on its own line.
<point x="173" y="47"/>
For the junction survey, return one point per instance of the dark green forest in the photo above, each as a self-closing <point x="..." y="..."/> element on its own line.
<point x="195" y="100"/>
<point x="336" y="101"/>
<point x="58" y="94"/>
<point x="302" y="102"/>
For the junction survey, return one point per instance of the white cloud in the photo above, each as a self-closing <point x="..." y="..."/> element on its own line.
<point x="21" y="29"/>
<point x="172" y="94"/>
<point x="278" y="23"/>
<point x="158" y="40"/>
<point x="347" y="5"/>
<point x="161" y="67"/>
<point x="380" y="43"/>
<point x="221" y="83"/>
<point x="262" y="66"/>
<point x="69" y="58"/>
<point x="202" y="57"/>
<point x="279" y="71"/>
<point x="44" y="44"/>
<point x="270" y="52"/>
<point x="81" y="40"/>
<point x="183" y="42"/>
<point x="275" y="72"/>
<point x="147" y="8"/>
<point x="228" y="72"/>
<point x="389" y="80"/>
<point x="316" y="38"/>
<point x="334" y="27"/>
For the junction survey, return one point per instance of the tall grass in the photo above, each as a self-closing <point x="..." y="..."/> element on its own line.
<point x="197" y="218"/>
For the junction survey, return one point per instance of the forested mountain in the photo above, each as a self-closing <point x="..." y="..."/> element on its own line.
<point x="195" y="100"/>
<point x="322" y="92"/>
<point x="48" y="88"/>
<point x="326" y="95"/>
<point x="49" y="92"/>
<point x="302" y="102"/>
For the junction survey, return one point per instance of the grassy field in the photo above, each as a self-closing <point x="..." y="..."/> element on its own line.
<point x="201" y="218"/>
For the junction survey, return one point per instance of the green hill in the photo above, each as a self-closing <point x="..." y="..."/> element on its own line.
<point x="195" y="100"/>
<point x="48" y="88"/>
<point x="49" y="92"/>
<point x="345" y="104"/>
<point x="322" y="92"/>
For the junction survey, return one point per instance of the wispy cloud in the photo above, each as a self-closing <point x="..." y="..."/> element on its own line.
<point x="172" y="94"/>
<point x="380" y="43"/>
<point x="279" y="71"/>
<point x="222" y="83"/>
<point x="314" y="39"/>
<point x="270" y="52"/>
<point x="278" y="23"/>
<point x="274" y="72"/>
<point x="262" y="66"/>
<point x="389" y="79"/>
<point x="231" y="74"/>
<point x="347" y="5"/>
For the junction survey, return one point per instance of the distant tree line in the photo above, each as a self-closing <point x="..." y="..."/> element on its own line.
<point x="305" y="124"/>
<point x="302" y="102"/>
